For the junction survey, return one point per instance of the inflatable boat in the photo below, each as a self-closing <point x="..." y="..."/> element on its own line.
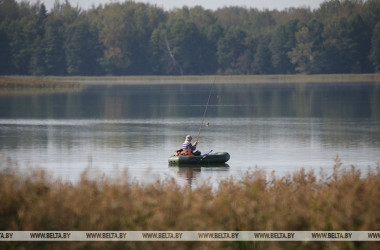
<point x="211" y="158"/>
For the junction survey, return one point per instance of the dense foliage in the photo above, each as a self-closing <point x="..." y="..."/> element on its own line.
<point x="341" y="36"/>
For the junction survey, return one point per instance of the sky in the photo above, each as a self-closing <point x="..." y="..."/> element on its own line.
<point x="207" y="4"/>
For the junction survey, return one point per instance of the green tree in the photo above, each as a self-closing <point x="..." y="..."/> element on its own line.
<point x="5" y="58"/>
<point x="136" y="38"/>
<point x="260" y="23"/>
<point x="283" y="41"/>
<point x="375" y="48"/>
<point x="316" y="32"/>
<point x="125" y="31"/>
<point x="83" y="51"/>
<point x="233" y="17"/>
<point x="347" y="45"/>
<point x="20" y="47"/>
<point x="65" y="12"/>
<point x="213" y="33"/>
<point x="198" y="15"/>
<point x="37" y="64"/>
<point x="230" y="48"/>
<point x="359" y="35"/>
<point x="301" y="55"/>
<point x="9" y="10"/>
<point x="54" y="53"/>
<point x="305" y="55"/>
<point x="36" y="33"/>
<point x="186" y="43"/>
<point x="263" y="60"/>
<point x="159" y="56"/>
<point x="371" y="12"/>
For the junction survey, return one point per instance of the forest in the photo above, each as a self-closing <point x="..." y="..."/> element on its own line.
<point x="129" y="38"/>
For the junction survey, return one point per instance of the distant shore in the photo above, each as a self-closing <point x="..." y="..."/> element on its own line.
<point x="224" y="79"/>
<point x="60" y="82"/>
<point x="16" y="85"/>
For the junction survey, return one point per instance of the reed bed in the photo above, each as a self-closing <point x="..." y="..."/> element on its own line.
<point x="225" y="79"/>
<point x="74" y="81"/>
<point x="12" y="85"/>
<point x="301" y="201"/>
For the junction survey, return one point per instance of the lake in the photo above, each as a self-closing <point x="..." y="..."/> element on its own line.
<point x="109" y="129"/>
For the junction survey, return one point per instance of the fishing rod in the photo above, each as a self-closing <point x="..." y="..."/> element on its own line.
<point x="204" y="114"/>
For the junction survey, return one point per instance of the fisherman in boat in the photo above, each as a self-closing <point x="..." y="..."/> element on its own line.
<point x="188" y="148"/>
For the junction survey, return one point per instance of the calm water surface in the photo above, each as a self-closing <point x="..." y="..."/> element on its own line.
<point x="108" y="129"/>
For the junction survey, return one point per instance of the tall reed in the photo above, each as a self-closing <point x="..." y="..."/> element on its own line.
<point x="345" y="200"/>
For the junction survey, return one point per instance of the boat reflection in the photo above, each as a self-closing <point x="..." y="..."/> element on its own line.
<point x="190" y="173"/>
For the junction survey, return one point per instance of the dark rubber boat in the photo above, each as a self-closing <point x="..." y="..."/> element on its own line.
<point x="211" y="158"/>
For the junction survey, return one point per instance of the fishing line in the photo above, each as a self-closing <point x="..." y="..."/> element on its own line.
<point x="204" y="114"/>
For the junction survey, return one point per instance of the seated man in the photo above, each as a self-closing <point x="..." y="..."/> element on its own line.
<point x="188" y="148"/>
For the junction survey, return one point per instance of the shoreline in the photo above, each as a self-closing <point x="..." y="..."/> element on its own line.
<point x="25" y="85"/>
<point x="222" y="79"/>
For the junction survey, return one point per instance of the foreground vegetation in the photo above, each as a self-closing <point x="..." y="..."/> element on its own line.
<point x="302" y="201"/>
<point x="130" y="38"/>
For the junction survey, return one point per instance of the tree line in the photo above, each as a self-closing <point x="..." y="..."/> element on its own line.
<point x="129" y="38"/>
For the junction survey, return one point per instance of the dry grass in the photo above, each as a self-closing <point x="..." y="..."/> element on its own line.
<point x="346" y="200"/>
<point x="35" y="85"/>
<point x="55" y="82"/>
<point x="224" y="79"/>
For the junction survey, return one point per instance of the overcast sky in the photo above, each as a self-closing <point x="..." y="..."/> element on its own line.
<point x="207" y="4"/>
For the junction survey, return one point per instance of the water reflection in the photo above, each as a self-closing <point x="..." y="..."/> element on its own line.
<point x="227" y="100"/>
<point x="187" y="174"/>
<point x="192" y="174"/>
<point x="275" y="127"/>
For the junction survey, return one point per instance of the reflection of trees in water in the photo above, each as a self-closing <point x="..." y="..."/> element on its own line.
<point x="248" y="100"/>
<point x="354" y="100"/>
<point x="298" y="100"/>
<point x="251" y="100"/>
<point x="227" y="100"/>
<point x="113" y="107"/>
